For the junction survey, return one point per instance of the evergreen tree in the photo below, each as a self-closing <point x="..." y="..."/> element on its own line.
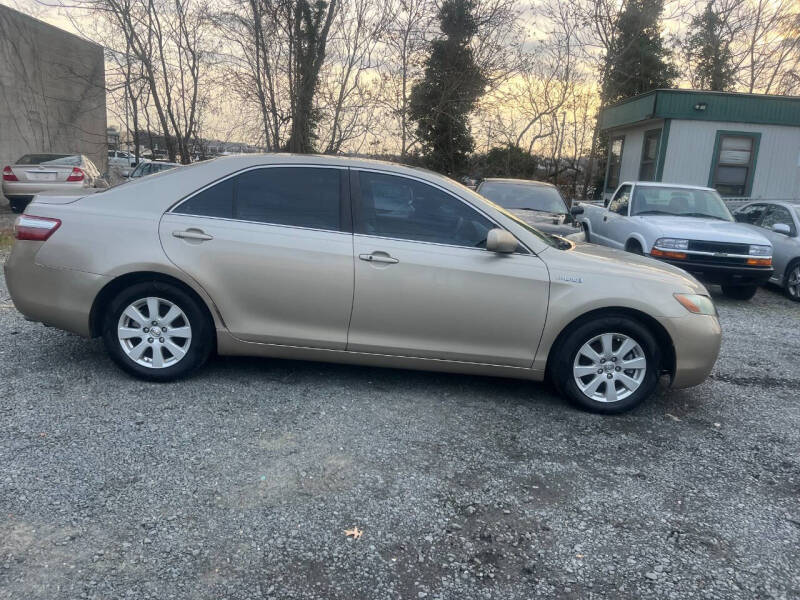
<point x="637" y="60"/>
<point x="708" y="49"/>
<point x="441" y="102"/>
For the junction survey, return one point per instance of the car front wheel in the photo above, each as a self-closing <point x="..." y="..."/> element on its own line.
<point x="607" y="365"/>
<point x="793" y="281"/>
<point x="157" y="331"/>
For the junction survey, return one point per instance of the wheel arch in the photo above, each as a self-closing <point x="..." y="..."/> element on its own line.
<point x="113" y="287"/>
<point x="636" y="238"/>
<point x="658" y="331"/>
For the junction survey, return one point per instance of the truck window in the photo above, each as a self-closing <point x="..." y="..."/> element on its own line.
<point x="619" y="203"/>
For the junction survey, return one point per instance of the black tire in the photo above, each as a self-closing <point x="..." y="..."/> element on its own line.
<point x="740" y="292"/>
<point x="561" y="365"/>
<point x="795" y="264"/>
<point x="634" y="248"/>
<point x="202" y="331"/>
<point x="586" y="233"/>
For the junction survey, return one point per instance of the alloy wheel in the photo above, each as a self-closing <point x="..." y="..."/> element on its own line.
<point x="154" y="332"/>
<point x="793" y="282"/>
<point x="609" y="367"/>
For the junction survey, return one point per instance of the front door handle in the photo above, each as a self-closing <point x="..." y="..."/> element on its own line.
<point x="379" y="257"/>
<point x="193" y="234"/>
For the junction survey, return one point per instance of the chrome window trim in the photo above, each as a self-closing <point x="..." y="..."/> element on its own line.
<point x="449" y="193"/>
<point x="177" y="204"/>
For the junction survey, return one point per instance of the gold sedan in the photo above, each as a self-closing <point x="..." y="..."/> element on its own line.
<point x="353" y="261"/>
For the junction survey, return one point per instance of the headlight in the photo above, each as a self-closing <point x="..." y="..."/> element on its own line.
<point x="697" y="304"/>
<point x="760" y="250"/>
<point x="672" y="244"/>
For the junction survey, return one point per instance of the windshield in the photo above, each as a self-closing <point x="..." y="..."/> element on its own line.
<point x="550" y="240"/>
<point x="70" y="160"/>
<point x="685" y="202"/>
<point x="524" y="196"/>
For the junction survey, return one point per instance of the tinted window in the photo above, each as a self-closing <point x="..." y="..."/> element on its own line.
<point x="402" y="208"/>
<point x="298" y="196"/>
<point x="524" y="196"/>
<point x="778" y="214"/>
<point x="751" y="214"/>
<point x="216" y="201"/>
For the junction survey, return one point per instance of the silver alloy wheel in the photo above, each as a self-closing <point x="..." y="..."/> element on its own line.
<point x="793" y="282"/>
<point x="609" y="367"/>
<point x="154" y="333"/>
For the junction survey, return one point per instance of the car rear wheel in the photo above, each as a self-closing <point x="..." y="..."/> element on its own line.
<point x="792" y="285"/>
<point x="157" y="331"/>
<point x="739" y="292"/>
<point x="607" y="365"/>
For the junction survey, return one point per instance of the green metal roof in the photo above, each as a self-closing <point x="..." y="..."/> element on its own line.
<point x="719" y="106"/>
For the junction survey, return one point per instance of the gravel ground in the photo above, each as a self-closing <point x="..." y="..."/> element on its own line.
<point x="240" y="482"/>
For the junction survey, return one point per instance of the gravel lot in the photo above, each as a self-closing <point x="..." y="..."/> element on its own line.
<point x="240" y="482"/>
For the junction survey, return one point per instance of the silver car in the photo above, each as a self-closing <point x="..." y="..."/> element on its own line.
<point x="353" y="261"/>
<point x="780" y="223"/>
<point x="36" y="173"/>
<point x="143" y="169"/>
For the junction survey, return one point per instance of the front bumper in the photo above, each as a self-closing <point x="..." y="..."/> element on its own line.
<point x="723" y="274"/>
<point x="59" y="297"/>
<point x="696" y="339"/>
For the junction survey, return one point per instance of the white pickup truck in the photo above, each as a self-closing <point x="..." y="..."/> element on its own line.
<point x="687" y="226"/>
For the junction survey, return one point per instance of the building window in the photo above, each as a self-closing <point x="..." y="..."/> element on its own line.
<point x="734" y="161"/>
<point x="647" y="168"/>
<point x="614" y="162"/>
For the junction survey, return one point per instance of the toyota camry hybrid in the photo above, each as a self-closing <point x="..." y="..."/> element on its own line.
<point x="355" y="261"/>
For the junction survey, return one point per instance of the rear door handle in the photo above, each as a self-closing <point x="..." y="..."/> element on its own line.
<point x="193" y="234"/>
<point x="379" y="258"/>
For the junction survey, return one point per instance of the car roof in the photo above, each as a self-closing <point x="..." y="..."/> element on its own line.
<point x="667" y="184"/>
<point x="522" y="181"/>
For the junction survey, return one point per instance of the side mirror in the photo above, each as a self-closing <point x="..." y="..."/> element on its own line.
<point x="500" y="240"/>
<point x="782" y="228"/>
<point x="576" y="210"/>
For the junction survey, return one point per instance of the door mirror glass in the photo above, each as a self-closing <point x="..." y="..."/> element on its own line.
<point x="500" y="240"/>
<point x="782" y="228"/>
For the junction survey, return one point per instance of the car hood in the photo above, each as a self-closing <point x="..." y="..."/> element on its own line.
<point x="698" y="228"/>
<point x="602" y="259"/>
<point x="553" y="223"/>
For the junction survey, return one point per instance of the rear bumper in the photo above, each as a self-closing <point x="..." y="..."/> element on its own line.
<point x="59" y="297"/>
<point x="723" y="274"/>
<point x="697" y="340"/>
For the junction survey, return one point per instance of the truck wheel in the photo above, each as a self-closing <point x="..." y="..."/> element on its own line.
<point x="634" y="248"/>
<point x="586" y="232"/>
<point x="739" y="292"/>
<point x="608" y="364"/>
<point x="792" y="281"/>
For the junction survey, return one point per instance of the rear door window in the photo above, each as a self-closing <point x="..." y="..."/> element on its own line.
<point x="294" y="196"/>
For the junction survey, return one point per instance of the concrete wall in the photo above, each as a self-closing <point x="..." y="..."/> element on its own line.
<point x="52" y="91"/>
<point x="691" y="150"/>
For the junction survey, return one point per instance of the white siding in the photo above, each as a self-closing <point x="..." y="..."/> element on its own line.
<point x="691" y="149"/>
<point x="632" y="149"/>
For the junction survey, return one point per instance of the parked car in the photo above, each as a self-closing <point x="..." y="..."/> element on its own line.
<point x="535" y="202"/>
<point x="123" y="162"/>
<point x="686" y="226"/>
<point x="149" y="168"/>
<point x="294" y="257"/>
<point x="36" y="173"/>
<point x="780" y="223"/>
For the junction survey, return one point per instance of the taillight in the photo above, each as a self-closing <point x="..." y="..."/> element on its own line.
<point x="8" y="174"/>
<point x="76" y="175"/>
<point x="36" y="229"/>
